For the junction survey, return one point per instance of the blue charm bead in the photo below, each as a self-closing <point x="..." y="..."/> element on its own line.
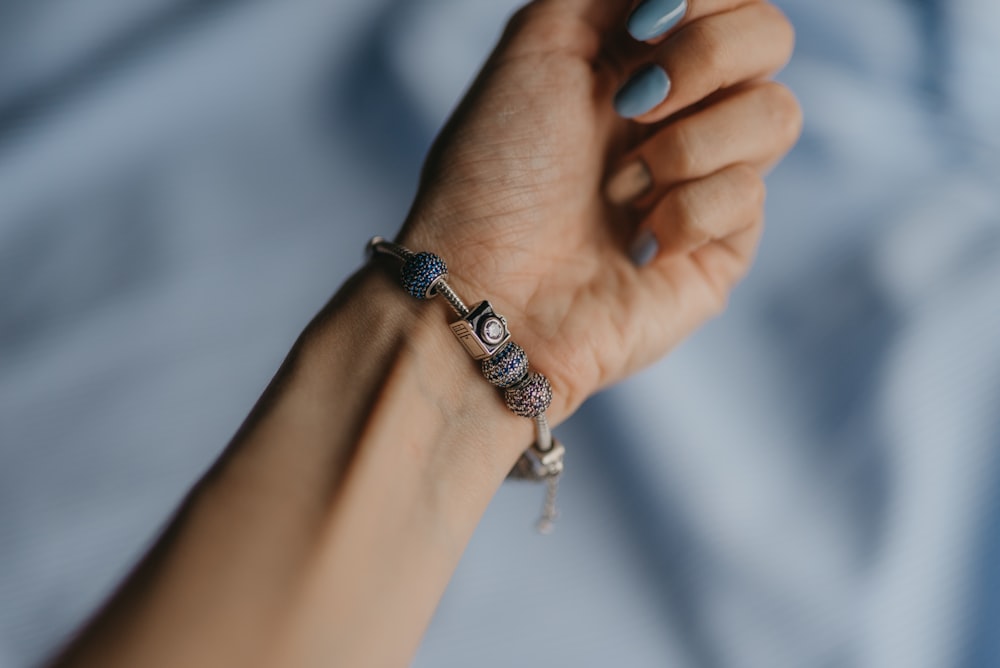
<point x="508" y="367"/>
<point x="420" y="272"/>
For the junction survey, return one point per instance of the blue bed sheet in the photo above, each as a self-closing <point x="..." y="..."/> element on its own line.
<point x="810" y="481"/>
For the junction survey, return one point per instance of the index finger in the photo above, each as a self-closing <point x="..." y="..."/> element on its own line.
<point x="645" y="20"/>
<point x="651" y="20"/>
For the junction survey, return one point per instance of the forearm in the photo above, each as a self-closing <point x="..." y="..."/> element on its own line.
<point x="338" y="513"/>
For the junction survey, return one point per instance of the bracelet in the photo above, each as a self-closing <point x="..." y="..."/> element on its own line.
<point x="484" y="334"/>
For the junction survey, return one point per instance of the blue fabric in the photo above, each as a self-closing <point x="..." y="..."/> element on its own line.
<point x="809" y="481"/>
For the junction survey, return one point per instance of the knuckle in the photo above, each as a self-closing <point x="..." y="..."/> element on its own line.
<point x="750" y="185"/>
<point x="759" y="197"/>
<point x="721" y="303"/>
<point x="683" y="160"/>
<point x="540" y="26"/>
<point x="783" y="25"/>
<point x="750" y="254"/>
<point x="711" y="46"/>
<point x="718" y="293"/>
<point x="686" y="218"/>
<point x="783" y="110"/>
<point x="521" y="18"/>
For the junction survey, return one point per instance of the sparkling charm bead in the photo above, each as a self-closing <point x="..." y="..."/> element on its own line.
<point x="420" y="272"/>
<point x="508" y="367"/>
<point x="531" y="397"/>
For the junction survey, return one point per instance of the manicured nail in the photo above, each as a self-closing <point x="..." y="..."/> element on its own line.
<point x="646" y="89"/>
<point x="644" y="248"/>
<point x="628" y="183"/>
<point x="655" y="17"/>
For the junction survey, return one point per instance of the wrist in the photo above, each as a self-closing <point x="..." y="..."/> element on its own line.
<point x="484" y="334"/>
<point x="434" y="444"/>
<point x="373" y="330"/>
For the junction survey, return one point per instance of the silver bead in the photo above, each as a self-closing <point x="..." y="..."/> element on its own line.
<point x="508" y="367"/>
<point x="531" y="397"/>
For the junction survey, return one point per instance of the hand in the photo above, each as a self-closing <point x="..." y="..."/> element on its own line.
<point x="538" y="193"/>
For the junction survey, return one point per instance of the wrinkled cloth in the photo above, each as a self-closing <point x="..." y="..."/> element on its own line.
<point x="811" y="480"/>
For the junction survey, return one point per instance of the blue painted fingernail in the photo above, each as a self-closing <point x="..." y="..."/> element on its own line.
<point x="644" y="248"/>
<point x="655" y="17"/>
<point x="646" y="89"/>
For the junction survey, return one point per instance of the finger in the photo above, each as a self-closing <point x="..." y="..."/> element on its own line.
<point x="726" y="261"/>
<point x="651" y="20"/>
<point x="756" y="126"/>
<point x="584" y="26"/>
<point x="690" y="288"/>
<point x="693" y="214"/>
<point x="646" y="19"/>
<point x="649" y="23"/>
<point x="750" y="42"/>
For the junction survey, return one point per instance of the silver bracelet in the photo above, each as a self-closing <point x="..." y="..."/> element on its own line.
<point x="484" y="334"/>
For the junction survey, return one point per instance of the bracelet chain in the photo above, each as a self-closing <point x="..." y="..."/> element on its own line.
<point x="543" y="461"/>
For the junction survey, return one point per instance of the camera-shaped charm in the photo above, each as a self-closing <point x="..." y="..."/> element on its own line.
<point x="483" y="332"/>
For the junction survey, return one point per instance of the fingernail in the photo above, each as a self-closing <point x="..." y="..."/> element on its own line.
<point x="644" y="248"/>
<point x="655" y="17"/>
<point x="646" y="89"/>
<point x="628" y="183"/>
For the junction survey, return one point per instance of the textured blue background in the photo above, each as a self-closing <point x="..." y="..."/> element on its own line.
<point x="810" y="481"/>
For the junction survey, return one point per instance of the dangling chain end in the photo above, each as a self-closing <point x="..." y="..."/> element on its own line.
<point x="547" y="522"/>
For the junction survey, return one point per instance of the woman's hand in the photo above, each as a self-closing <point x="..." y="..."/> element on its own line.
<point x="539" y="194"/>
<point x="327" y="532"/>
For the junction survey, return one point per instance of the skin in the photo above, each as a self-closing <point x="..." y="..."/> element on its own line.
<point x="330" y="528"/>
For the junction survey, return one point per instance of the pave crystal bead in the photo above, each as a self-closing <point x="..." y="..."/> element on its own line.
<point x="531" y="397"/>
<point x="420" y="272"/>
<point x="508" y="367"/>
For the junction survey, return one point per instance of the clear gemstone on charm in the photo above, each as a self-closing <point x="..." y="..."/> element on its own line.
<point x="493" y="330"/>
